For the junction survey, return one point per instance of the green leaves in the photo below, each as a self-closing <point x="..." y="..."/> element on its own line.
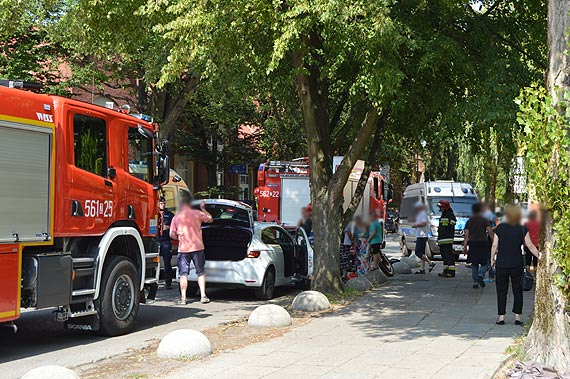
<point x="547" y="147"/>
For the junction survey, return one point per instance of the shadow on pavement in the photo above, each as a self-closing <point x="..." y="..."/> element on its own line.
<point x="39" y="333"/>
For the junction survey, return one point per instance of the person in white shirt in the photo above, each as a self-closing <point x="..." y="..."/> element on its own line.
<point x="422" y="232"/>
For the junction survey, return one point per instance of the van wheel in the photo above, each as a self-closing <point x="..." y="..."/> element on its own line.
<point x="265" y="292"/>
<point x="118" y="302"/>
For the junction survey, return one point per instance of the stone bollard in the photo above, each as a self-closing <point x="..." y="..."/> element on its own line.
<point x="50" y="372"/>
<point x="377" y="277"/>
<point x="360" y="283"/>
<point x="184" y="343"/>
<point x="269" y="316"/>
<point x="310" y="301"/>
<point x="411" y="261"/>
<point x="401" y="268"/>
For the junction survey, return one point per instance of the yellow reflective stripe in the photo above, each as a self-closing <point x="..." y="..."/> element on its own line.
<point x="7" y="314"/>
<point x="27" y="121"/>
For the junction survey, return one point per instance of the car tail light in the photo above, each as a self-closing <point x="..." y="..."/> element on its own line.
<point x="253" y="254"/>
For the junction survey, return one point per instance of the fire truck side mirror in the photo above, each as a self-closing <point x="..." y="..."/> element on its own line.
<point x="164" y="170"/>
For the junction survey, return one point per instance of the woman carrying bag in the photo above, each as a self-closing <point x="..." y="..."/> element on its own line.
<point x="509" y="262"/>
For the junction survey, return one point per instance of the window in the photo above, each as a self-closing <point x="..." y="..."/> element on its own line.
<point x="268" y="236"/>
<point x="90" y="144"/>
<point x="407" y="209"/>
<point x="461" y="206"/>
<point x="140" y="156"/>
<point x="243" y="179"/>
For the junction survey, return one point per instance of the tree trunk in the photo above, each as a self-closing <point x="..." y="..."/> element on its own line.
<point x="549" y="338"/>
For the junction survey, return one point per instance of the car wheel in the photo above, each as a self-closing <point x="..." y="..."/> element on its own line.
<point x="118" y="301"/>
<point x="265" y="292"/>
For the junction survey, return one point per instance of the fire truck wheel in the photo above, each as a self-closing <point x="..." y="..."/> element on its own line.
<point x="265" y="292"/>
<point x="118" y="301"/>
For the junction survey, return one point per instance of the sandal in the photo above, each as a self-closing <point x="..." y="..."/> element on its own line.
<point x="181" y="302"/>
<point x="204" y="300"/>
<point x="431" y="266"/>
<point x="420" y="272"/>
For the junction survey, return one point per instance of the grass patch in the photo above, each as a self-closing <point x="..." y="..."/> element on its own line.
<point x="346" y="296"/>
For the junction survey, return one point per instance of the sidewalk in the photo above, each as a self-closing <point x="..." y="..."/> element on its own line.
<point x="414" y="327"/>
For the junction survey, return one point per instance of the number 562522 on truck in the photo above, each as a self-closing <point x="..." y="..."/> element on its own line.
<point x="76" y="225"/>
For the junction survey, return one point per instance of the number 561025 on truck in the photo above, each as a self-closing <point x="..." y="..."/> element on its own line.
<point x="76" y="225"/>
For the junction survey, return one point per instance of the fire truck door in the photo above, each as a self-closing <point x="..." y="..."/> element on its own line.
<point x="140" y="197"/>
<point x="91" y="197"/>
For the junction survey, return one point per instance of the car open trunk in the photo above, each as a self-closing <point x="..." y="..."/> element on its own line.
<point x="228" y="237"/>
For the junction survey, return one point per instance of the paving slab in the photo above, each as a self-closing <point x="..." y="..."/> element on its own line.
<point x="421" y="327"/>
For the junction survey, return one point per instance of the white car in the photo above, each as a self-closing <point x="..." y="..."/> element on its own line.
<point x="244" y="253"/>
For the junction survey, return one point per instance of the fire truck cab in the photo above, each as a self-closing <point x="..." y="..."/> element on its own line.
<point x="76" y="224"/>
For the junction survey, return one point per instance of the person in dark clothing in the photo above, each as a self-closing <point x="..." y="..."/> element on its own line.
<point x="306" y="222"/>
<point x="445" y="237"/>
<point x="478" y="231"/>
<point x="507" y="258"/>
<point x="533" y="227"/>
<point x="165" y="243"/>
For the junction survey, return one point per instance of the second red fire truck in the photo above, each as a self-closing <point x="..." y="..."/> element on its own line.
<point x="76" y="223"/>
<point x="284" y="188"/>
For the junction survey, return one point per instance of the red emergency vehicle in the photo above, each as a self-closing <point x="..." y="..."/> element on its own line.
<point x="76" y="224"/>
<point x="284" y="188"/>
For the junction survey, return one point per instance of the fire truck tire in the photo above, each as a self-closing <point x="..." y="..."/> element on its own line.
<point x="118" y="302"/>
<point x="265" y="292"/>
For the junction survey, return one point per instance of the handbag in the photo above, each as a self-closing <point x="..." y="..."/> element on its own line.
<point x="527" y="279"/>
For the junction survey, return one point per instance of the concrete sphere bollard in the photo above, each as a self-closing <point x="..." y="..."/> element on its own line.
<point x="360" y="283"/>
<point x="184" y="343"/>
<point x="402" y="268"/>
<point x="310" y="301"/>
<point x="411" y="261"/>
<point x="50" y="372"/>
<point x="377" y="277"/>
<point x="269" y="316"/>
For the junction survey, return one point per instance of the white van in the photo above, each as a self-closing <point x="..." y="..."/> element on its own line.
<point x="461" y="196"/>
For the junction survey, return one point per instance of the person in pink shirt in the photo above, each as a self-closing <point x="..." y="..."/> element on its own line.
<point x="186" y="227"/>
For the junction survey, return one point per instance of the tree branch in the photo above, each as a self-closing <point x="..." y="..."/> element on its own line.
<point x="340" y="177"/>
<point x="370" y="161"/>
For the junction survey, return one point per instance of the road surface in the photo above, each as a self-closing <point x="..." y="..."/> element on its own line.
<point x="42" y="341"/>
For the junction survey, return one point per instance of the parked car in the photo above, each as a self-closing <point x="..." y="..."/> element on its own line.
<point x="256" y="255"/>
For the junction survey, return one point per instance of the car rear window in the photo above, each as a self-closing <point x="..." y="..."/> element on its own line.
<point x="222" y="213"/>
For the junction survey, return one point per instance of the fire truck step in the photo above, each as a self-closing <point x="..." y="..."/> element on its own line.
<point x="83" y="292"/>
<point x="83" y="313"/>
<point x="83" y="262"/>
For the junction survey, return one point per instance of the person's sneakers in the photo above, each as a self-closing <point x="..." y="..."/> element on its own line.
<point x="204" y="300"/>
<point x="420" y="272"/>
<point x="431" y="266"/>
<point x="443" y="273"/>
<point x="481" y="281"/>
<point x="475" y="286"/>
<point x="519" y="322"/>
<point x="181" y="302"/>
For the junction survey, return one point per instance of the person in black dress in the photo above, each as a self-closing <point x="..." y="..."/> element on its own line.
<point x="478" y="233"/>
<point x="508" y="261"/>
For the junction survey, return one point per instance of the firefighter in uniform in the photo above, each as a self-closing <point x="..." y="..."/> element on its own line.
<point x="445" y="236"/>
<point x="164" y="240"/>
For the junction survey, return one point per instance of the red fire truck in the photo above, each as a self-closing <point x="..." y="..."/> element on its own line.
<point x="76" y="224"/>
<point x="284" y="188"/>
